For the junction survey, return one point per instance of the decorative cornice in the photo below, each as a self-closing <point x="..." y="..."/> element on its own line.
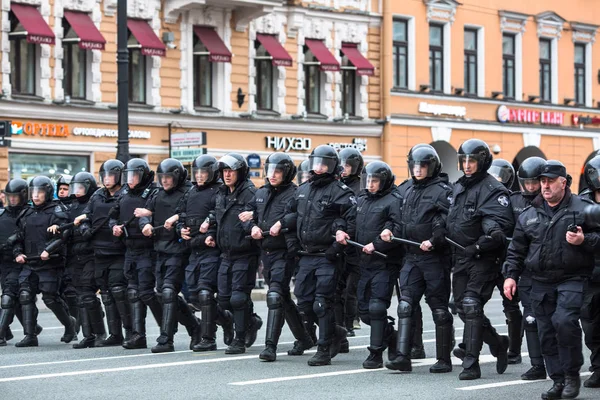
<point x="583" y="32"/>
<point x="512" y="21"/>
<point x="550" y="24"/>
<point x="441" y="10"/>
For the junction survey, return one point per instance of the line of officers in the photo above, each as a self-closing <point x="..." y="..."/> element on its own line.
<point x="346" y="233"/>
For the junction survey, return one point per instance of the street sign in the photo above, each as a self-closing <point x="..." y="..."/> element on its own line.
<point x="187" y="155"/>
<point x="188" y="139"/>
<point x="253" y="160"/>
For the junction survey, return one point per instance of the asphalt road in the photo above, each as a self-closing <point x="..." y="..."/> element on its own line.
<point x="56" y="371"/>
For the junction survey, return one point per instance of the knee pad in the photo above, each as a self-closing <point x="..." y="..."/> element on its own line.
<point x="472" y="307"/>
<point x="442" y="316"/>
<point x="405" y="310"/>
<point x="239" y="300"/>
<point x="89" y="302"/>
<point x="205" y="297"/>
<point x="133" y="295"/>
<point x="169" y="295"/>
<point x="320" y="306"/>
<point x="7" y="302"/>
<point x="25" y="297"/>
<point x="118" y="292"/>
<point x="377" y="309"/>
<point x="274" y="300"/>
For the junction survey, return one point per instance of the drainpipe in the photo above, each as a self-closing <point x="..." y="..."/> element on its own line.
<point x="386" y="80"/>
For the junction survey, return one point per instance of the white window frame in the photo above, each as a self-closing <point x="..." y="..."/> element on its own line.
<point x="480" y="58"/>
<point x="411" y="79"/>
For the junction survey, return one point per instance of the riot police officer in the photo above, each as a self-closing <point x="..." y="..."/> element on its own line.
<point x="62" y="189"/>
<point x="426" y="267"/>
<point x="378" y="208"/>
<point x="479" y="220"/>
<point x="15" y="201"/>
<point x="80" y="259"/>
<point x="590" y="312"/>
<point x="278" y="253"/>
<point x="40" y="249"/>
<point x="171" y="254"/>
<point x="239" y="255"/>
<point x="346" y="305"/>
<point x="321" y="208"/>
<point x="553" y="241"/>
<point x="303" y="172"/>
<point x="109" y="252"/>
<point x="203" y="267"/>
<point x="139" y="256"/>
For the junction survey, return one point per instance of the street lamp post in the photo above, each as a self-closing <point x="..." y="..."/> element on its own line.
<point x="123" y="82"/>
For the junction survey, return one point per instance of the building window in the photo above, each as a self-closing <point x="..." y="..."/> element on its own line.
<point x="545" y="70"/>
<point x="312" y="83"/>
<point x="27" y="165"/>
<point x="137" y="72"/>
<point x="470" y="61"/>
<point x="22" y="59"/>
<point x="348" y="87"/>
<point x="264" y="78"/>
<point x="580" y="73"/>
<point x="203" y="75"/>
<point x="508" y="66"/>
<point x="436" y="57"/>
<point x="401" y="54"/>
<point x="74" y="64"/>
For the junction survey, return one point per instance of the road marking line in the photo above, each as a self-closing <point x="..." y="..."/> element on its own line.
<point x="297" y="377"/>
<point x="508" y="383"/>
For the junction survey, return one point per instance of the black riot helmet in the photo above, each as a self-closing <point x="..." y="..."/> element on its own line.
<point x="591" y="172"/>
<point x="41" y="184"/>
<point x="324" y="159"/>
<point x="203" y="170"/>
<point x="352" y="157"/>
<point x="378" y="170"/>
<point x="62" y="180"/>
<point x="137" y="173"/>
<point x="16" y="193"/>
<point x="173" y="168"/>
<point x="553" y="169"/>
<point x="503" y="171"/>
<point x="83" y="185"/>
<point x="529" y="172"/>
<point x="424" y="155"/>
<point x="112" y="168"/>
<point x="234" y="162"/>
<point x="280" y="162"/>
<point x="303" y="172"/>
<point x="475" y="149"/>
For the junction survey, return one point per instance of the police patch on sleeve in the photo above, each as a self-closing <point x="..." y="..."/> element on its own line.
<point x="353" y="200"/>
<point x="451" y="200"/>
<point x="503" y="200"/>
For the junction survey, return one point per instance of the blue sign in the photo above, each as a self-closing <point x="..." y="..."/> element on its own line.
<point x="253" y="160"/>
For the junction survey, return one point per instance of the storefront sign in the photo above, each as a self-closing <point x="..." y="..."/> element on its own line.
<point x="96" y="132"/>
<point x="188" y="139"/>
<point x="527" y="116"/>
<point x="288" y="143"/>
<point x="358" y="144"/>
<point x="584" y="120"/>
<point x="187" y="155"/>
<point x="438" y="109"/>
<point x="40" y="129"/>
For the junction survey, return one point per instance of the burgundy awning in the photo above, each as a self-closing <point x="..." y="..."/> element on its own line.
<point x="90" y="37"/>
<point x="327" y="60"/>
<point x="281" y="57"/>
<point x="363" y="66"/>
<point x="37" y="29"/>
<point x="213" y="43"/>
<point x="150" y="43"/>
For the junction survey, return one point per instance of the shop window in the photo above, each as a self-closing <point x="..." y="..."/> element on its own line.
<point x="203" y="75"/>
<point x="312" y="83"/>
<point x="349" y="84"/>
<point x="23" y="60"/>
<point x="470" y="70"/>
<point x="26" y="165"/>
<point x="265" y="73"/>
<point x="401" y="54"/>
<point x="436" y="58"/>
<point x="137" y="72"/>
<point x="508" y="66"/>
<point x="545" y="70"/>
<point x="580" y="72"/>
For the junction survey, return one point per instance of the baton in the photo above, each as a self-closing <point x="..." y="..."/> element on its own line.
<point x="267" y="233"/>
<point x="362" y="246"/>
<point x="406" y="241"/>
<point x="157" y="229"/>
<point x="126" y="224"/>
<point x="70" y="225"/>
<point x="453" y="243"/>
<point x="38" y="258"/>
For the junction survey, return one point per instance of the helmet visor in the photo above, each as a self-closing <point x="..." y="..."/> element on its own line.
<point x="230" y="162"/>
<point x="274" y="171"/>
<point x="38" y="194"/>
<point x="78" y="189"/>
<point x="503" y="175"/>
<point x="110" y="178"/>
<point x="133" y="177"/>
<point x="530" y="186"/>
<point x="350" y="166"/>
<point x="593" y="178"/>
<point x="166" y="180"/>
<point x="14" y="199"/>
<point x="302" y="176"/>
<point x="420" y="169"/>
<point x="322" y="165"/>
<point x="468" y="159"/>
<point x="373" y="182"/>
<point x="203" y="175"/>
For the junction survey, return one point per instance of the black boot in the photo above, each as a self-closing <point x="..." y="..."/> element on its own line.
<point x="113" y="320"/>
<point x="472" y="339"/>
<point x="300" y="346"/>
<point x="208" y="324"/>
<point x="534" y="346"/>
<point x="73" y="308"/>
<point x="138" y="338"/>
<point x="470" y="373"/>
<point x="375" y="359"/>
<point x="572" y="386"/>
<point x="443" y="342"/>
<point x="119" y="294"/>
<point x="338" y="342"/>
<point x="321" y="357"/>
<point x="514" y="322"/>
<point x="155" y="307"/>
<point x="555" y="391"/>
<point x="296" y="324"/>
<point x="593" y="381"/>
<point x="536" y="372"/>
<point x="391" y="339"/>
<point x="89" y="339"/>
<point x="403" y="347"/>
<point x="252" y="330"/>
<point x="225" y="321"/>
<point x="167" y="326"/>
<point x="6" y="317"/>
<point x="19" y="315"/>
<point x="269" y="353"/>
<point x="29" y="325"/>
<point x="237" y="346"/>
<point x="186" y="317"/>
<point x="417" y="351"/>
<point x="58" y="307"/>
<point x="275" y="319"/>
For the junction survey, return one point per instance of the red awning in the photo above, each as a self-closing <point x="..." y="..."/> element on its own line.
<point x="327" y="60"/>
<point x="150" y="43"/>
<point x="90" y="37"/>
<point x="281" y="57"/>
<point x="213" y="43"/>
<point x="363" y="66"/>
<point x="37" y="29"/>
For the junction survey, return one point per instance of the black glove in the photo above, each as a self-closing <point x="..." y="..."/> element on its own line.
<point x="472" y="251"/>
<point x="333" y="252"/>
<point x="438" y="239"/>
<point x="494" y="241"/>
